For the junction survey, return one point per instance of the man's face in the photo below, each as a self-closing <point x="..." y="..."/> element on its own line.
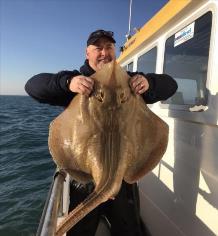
<point x="101" y="53"/>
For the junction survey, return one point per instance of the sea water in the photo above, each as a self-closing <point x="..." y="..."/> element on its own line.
<point x="26" y="167"/>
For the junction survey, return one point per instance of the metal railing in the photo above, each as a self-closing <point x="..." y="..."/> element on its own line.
<point x="56" y="208"/>
<point x="53" y="206"/>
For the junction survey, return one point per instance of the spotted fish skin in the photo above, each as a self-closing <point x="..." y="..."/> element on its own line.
<point x="106" y="138"/>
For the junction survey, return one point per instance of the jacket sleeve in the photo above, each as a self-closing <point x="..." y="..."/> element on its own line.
<point x="161" y="87"/>
<point x="51" y="88"/>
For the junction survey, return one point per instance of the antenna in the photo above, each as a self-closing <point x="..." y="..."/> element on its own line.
<point x="128" y="36"/>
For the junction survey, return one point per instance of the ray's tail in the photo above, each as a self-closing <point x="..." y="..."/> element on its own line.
<point x="93" y="200"/>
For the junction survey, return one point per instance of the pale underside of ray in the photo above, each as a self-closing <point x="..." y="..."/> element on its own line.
<point x="106" y="138"/>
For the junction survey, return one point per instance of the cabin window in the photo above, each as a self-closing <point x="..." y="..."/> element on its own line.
<point x="186" y="60"/>
<point x="147" y="62"/>
<point x="130" y="67"/>
<point x="125" y="67"/>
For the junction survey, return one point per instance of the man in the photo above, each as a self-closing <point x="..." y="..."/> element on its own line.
<point x="59" y="89"/>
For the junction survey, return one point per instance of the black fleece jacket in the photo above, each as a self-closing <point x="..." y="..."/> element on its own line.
<point x="52" y="88"/>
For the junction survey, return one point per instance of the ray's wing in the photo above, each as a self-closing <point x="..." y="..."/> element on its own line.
<point x="68" y="138"/>
<point x="148" y="136"/>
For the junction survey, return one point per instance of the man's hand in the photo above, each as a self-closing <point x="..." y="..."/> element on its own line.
<point x="81" y="84"/>
<point x="139" y="84"/>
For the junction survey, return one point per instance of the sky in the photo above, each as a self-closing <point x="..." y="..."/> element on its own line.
<point x="50" y="35"/>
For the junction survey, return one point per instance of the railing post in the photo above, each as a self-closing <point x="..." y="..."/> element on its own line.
<point x="48" y="222"/>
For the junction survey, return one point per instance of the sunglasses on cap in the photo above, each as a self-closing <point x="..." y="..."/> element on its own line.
<point x="103" y="33"/>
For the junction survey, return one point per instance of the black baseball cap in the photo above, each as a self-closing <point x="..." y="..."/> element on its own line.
<point x="94" y="36"/>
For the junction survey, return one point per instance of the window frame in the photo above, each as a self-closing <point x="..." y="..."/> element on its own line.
<point x="171" y="106"/>
<point x="155" y="46"/>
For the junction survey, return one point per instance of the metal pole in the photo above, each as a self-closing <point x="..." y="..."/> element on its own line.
<point x="50" y="213"/>
<point x="130" y="16"/>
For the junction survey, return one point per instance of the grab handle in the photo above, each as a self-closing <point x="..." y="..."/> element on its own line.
<point x="198" y="108"/>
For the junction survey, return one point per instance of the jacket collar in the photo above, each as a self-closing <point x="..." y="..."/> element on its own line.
<point x="86" y="69"/>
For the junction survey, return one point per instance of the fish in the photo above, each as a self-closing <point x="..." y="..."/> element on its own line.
<point x="106" y="138"/>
